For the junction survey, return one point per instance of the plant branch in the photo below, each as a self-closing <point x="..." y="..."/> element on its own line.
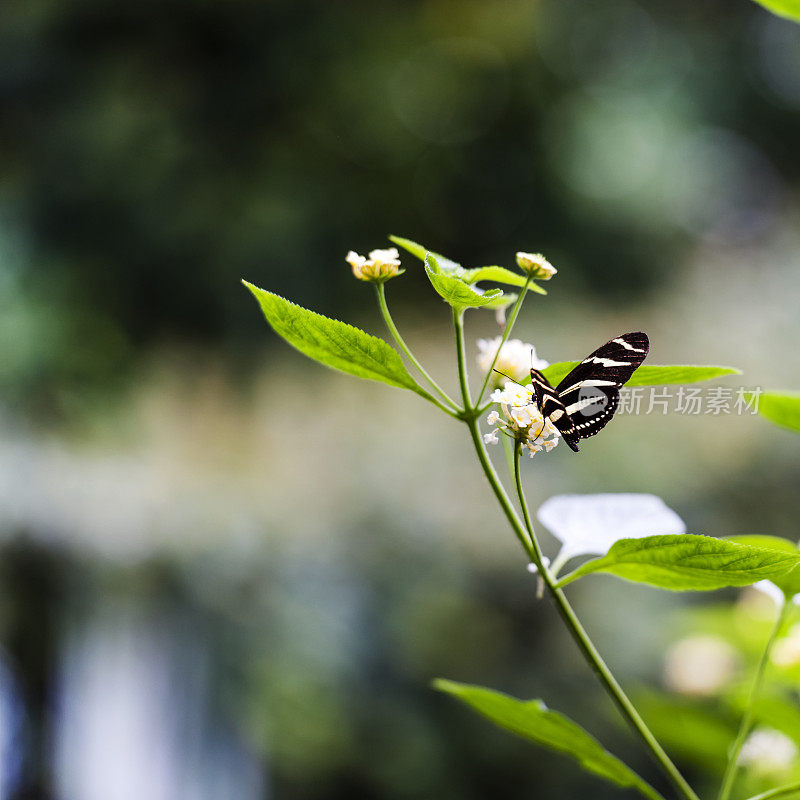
<point x="747" y="719"/>
<point x="530" y="545"/>
<point x="380" y="289"/>
<point x="592" y="655"/>
<point x="589" y="651"/>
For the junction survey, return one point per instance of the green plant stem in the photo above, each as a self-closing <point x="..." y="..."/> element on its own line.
<point x="747" y="719"/>
<point x="592" y="655"/>
<point x="508" y="449"/>
<point x="461" y="355"/>
<point x="380" y="289"/>
<point x="512" y="318"/>
<point x="781" y="791"/>
<point x="531" y="547"/>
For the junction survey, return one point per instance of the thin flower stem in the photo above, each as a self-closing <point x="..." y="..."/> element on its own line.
<point x="592" y="655"/>
<point x="747" y="719"/>
<point x="781" y="791"/>
<point x="381" y="292"/>
<point x="530" y="545"/>
<point x="463" y="377"/>
<point x="506" y="333"/>
<point x="508" y="449"/>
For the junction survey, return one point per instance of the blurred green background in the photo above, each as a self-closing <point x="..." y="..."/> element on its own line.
<point x="227" y="572"/>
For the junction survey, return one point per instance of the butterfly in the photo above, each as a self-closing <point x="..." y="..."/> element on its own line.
<point x="585" y="401"/>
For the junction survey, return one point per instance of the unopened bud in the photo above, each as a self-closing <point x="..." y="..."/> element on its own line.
<point x="536" y="265"/>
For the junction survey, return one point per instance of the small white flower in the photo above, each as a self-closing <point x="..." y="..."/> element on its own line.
<point x="768" y="752"/>
<point x="700" y="666"/>
<point x="381" y="264"/>
<point x="515" y="359"/>
<point x="588" y="524"/>
<point x="521" y="419"/>
<point x="536" y="265"/>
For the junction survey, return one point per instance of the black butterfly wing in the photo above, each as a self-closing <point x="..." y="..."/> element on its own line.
<point x="547" y="398"/>
<point x="552" y="407"/>
<point x="590" y="393"/>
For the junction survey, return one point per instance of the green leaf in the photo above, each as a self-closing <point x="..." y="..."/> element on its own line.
<point x="782" y="408"/>
<point x="450" y="267"/>
<point x="651" y="375"/>
<point x="686" y="562"/>
<point x="789" y="584"/>
<point x="533" y="721"/>
<point x="334" y="343"/>
<point x="500" y="301"/>
<point x="790" y="9"/>
<point x="458" y="294"/>
<point x="501" y="275"/>
<point x="446" y="264"/>
<point x="764" y="541"/>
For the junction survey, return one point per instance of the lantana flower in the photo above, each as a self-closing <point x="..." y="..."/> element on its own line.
<point x="514" y="360"/>
<point x="521" y="419"/>
<point x="536" y="265"/>
<point x="768" y="752"/>
<point x="380" y="266"/>
<point x="588" y="524"/>
<point x="700" y="666"/>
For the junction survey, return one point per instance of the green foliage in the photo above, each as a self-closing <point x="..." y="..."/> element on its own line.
<point x="782" y="408"/>
<point x="501" y="275"/>
<point x="499" y="301"/>
<point x="532" y="720"/>
<point x="789" y="584"/>
<point x="454" y="291"/>
<point x="652" y="375"/>
<point x="768" y="542"/>
<point x="790" y="9"/>
<point x="446" y="264"/>
<point x="687" y="562"/>
<point x="450" y="267"/>
<point x="333" y="343"/>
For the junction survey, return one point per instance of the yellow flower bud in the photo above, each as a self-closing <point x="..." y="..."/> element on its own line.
<point x="536" y="265"/>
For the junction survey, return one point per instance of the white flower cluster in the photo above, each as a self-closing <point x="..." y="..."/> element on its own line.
<point x="768" y="752"/>
<point x="515" y="359"/>
<point x="380" y="265"/>
<point x="521" y="419"/>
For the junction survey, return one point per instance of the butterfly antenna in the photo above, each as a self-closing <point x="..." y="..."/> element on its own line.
<point x="504" y="375"/>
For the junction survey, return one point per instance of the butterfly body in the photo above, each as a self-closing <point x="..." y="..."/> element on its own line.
<point x="584" y="402"/>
